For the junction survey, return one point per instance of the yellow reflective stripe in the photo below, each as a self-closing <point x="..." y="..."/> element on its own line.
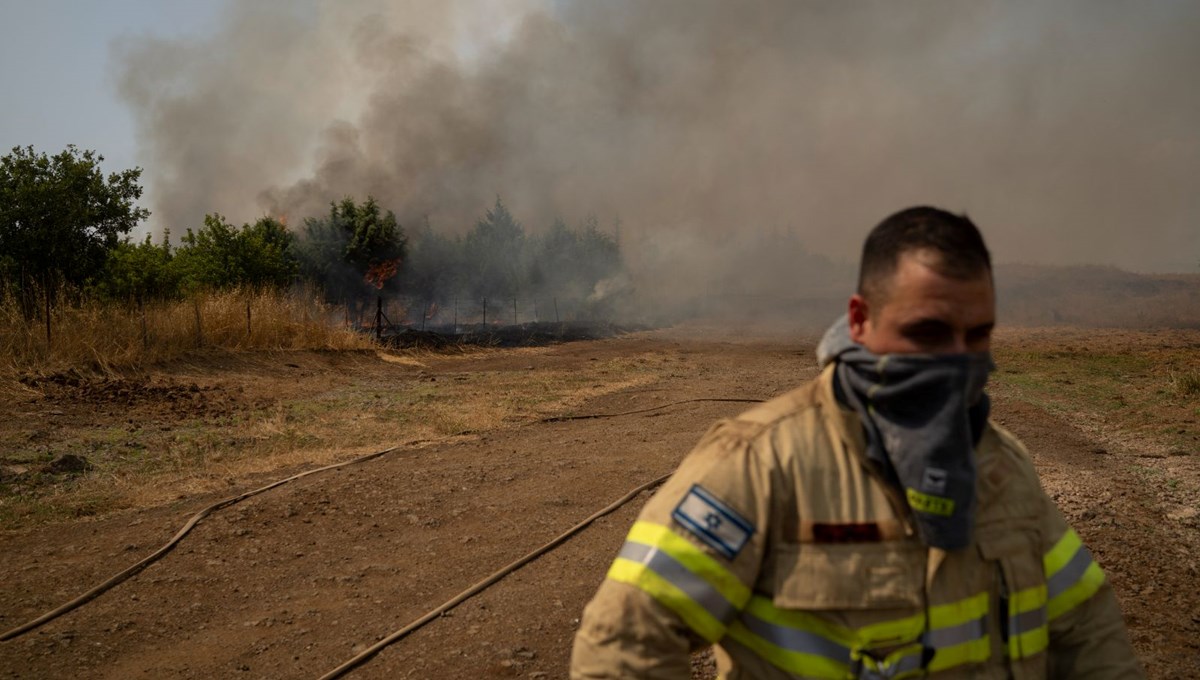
<point x="694" y="558"/>
<point x="1061" y="553"/>
<point x="766" y="610"/>
<point x="966" y="615"/>
<point x="668" y="595"/>
<point x="960" y="613"/>
<point x="891" y="632"/>
<point x="954" y="613"/>
<point x="1025" y="607"/>
<point x="1066" y="550"/>
<point x="1027" y="600"/>
<point x="973" y="651"/>
<point x="1029" y="643"/>
<point x="940" y="616"/>
<point x="1084" y="588"/>
<point x="800" y="663"/>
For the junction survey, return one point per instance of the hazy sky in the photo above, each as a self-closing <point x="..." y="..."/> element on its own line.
<point x="1068" y="129"/>
<point x="57" y="81"/>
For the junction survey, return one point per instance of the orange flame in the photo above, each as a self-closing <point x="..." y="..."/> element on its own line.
<point x="381" y="272"/>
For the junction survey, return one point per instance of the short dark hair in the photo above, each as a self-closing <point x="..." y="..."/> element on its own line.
<point x="954" y="237"/>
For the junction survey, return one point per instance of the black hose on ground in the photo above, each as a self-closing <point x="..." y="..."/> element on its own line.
<point x="485" y="583"/>
<point x="158" y="554"/>
<point x="479" y="587"/>
<point x="137" y="567"/>
<point x="590" y="416"/>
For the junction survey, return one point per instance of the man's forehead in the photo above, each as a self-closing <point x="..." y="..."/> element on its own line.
<point x="919" y="288"/>
<point x="929" y="257"/>
<point x="927" y="267"/>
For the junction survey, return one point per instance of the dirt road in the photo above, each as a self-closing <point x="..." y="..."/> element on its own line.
<point x="293" y="582"/>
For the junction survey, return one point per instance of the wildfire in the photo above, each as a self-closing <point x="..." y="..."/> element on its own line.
<point x="380" y="273"/>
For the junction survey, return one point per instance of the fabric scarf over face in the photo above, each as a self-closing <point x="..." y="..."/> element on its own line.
<point x="923" y="415"/>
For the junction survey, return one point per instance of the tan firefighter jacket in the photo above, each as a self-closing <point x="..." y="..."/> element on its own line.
<point x="778" y="542"/>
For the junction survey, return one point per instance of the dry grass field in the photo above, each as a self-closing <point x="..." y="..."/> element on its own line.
<point x="130" y="439"/>
<point x="102" y="336"/>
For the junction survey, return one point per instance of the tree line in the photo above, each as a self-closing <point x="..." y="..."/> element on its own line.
<point x="65" y="225"/>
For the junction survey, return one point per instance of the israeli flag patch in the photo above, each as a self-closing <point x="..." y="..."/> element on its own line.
<point x="718" y="525"/>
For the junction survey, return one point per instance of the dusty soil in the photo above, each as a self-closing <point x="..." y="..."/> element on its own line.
<point x="291" y="583"/>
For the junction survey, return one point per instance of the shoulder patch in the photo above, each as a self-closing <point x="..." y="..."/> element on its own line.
<point x="719" y="526"/>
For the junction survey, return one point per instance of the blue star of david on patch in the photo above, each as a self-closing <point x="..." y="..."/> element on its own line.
<point x="712" y="521"/>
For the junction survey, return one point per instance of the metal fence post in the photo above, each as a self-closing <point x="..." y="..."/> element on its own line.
<point x="379" y="317"/>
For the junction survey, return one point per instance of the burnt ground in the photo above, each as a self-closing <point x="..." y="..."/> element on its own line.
<point x="291" y="583"/>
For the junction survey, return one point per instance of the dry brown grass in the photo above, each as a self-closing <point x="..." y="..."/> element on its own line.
<point x="337" y="406"/>
<point x="103" y="336"/>
<point x="1135" y="389"/>
<point x="1186" y="383"/>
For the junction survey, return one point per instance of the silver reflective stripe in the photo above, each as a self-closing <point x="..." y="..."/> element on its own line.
<point x="1027" y="621"/>
<point x="957" y="635"/>
<point x="795" y="640"/>
<point x="1070" y="573"/>
<point x="681" y="577"/>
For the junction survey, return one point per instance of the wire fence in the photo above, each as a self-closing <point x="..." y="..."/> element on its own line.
<point x="456" y="315"/>
<point x="75" y="329"/>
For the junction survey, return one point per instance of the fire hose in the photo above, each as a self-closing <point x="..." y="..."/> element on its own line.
<point x="153" y="557"/>
<point x="505" y="571"/>
<point x="361" y="658"/>
<point x="590" y="416"/>
<point x="485" y="583"/>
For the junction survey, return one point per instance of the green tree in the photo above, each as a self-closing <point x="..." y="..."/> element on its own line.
<point x="266" y="254"/>
<point x="207" y="257"/>
<point x="434" y="262"/>
<point x="60" y="216"/>
<point x="375" y="239"/>
<point x="354" y="251"/>
<point x="139" y="272"/>
<point x="495" y="254"/>
<point x="555" y="259"/>
<point x="571" y="262"/>
<point x="220" y="255"/>
<point x="599" y="254"/>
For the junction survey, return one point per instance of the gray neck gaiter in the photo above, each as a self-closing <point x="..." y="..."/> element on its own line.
<point x="923" y="415"/>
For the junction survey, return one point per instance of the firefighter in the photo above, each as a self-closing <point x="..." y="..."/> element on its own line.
<point x="872" y="523"/>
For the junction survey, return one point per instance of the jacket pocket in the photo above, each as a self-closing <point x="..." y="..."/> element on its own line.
<point x="811" y="576"/>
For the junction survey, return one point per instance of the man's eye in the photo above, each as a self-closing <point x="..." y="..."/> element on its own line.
<point x="926" y="334"/>
<point x="979" y="335"/>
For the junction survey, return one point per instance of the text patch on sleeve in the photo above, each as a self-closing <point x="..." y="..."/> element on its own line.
<point x="712" y="521"/>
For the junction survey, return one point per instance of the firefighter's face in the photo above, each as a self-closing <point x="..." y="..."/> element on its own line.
<point x="924" y="311"/>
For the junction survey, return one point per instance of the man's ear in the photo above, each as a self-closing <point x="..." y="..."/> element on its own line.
<point x="859" y="315"/>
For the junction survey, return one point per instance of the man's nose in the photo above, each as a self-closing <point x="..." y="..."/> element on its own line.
<point x="958" y="344"/>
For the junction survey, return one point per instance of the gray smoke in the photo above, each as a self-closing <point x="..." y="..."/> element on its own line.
<point x="1067" y="130"/>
